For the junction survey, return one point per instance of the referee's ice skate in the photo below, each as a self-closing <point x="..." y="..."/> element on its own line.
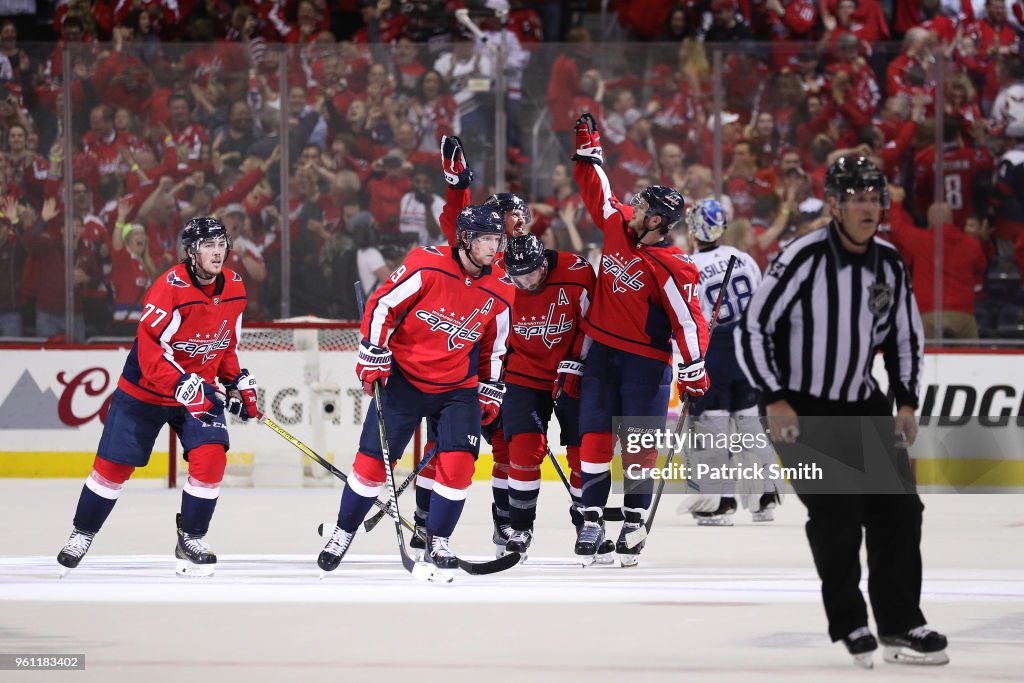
<point x="919" y="645"/>
<point x="861" y="644"/>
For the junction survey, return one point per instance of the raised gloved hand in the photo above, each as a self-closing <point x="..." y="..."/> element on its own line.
<point x="453" y="163"/>
<point x="692" y="379"/>
<point x="373" y="363"/>
<point x="242" y="395"/>
<point x="569" y="379"/>
<point x="491" y="394"/>
<point x="200" y="398"/>
<point x="588" y="141"/>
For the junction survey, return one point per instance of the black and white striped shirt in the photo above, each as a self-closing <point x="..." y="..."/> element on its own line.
<point x="814" y="324"/>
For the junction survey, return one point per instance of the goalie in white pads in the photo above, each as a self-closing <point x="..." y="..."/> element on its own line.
<point x="725" y="421"/>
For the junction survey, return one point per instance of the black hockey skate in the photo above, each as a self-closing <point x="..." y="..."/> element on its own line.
<point x="520" y="541"/>
<point x="419" y="532"/>
<point x="767" y="503"/>
<point x="861" y="644"/>
<point x="607" y="547"/>
<point x="502" y="531"/>
<point x="919" y="645"/>
<point x="337" y="546"/>
<point x="74" y="550"/>
<point x="590" y="535"/>
<point x="633" y="520"/>
<point x="720" y="517"/>
<point x="194" y="555"/>
<point x="440" y="555"/>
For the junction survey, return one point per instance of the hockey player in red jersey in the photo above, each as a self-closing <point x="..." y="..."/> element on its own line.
<point x="647" y="292"/>
<point x="435" y="335"/>
<point x="542" y="373"/>
<point x="186" y="340"/>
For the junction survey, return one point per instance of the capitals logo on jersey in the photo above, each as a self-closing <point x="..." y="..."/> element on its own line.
<point x="547" y="328"/>
<point x="455" y="326"/>
<point x="175" y="281"/>
<point x="205" y="345"/>
<point x="622" y="270"/>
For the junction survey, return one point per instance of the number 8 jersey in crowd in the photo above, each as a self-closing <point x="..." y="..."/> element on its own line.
<point x="185" y="328"/>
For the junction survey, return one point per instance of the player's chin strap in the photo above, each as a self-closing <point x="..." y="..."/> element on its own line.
<point x="640" y="236"/>
<point x="192" y="263"/>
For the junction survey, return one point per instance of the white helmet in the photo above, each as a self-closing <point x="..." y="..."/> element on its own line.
<point x="706" y="220"/>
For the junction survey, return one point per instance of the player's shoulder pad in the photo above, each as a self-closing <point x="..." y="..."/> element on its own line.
<point x="233" y="283"/>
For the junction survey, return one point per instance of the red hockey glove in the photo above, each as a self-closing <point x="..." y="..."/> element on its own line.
<point x="242" y="394"/>
<point x="491" y="395"/>
<point x="374" y="364"/>
<point x="570" y="376"/>
<point x="692" y="379"/>
<point x="200" y="398"/>
<point x="588" y="141"/>
<point x="453" y="163"/>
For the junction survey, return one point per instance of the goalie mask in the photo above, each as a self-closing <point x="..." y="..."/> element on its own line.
<point x="706" y="221"/>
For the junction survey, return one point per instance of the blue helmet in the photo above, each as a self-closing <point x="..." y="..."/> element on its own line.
<point x="706" y="220"/>
<point x="524" y="254"/>
<point x="509" y="201"/>
<point x="474" y="221"/>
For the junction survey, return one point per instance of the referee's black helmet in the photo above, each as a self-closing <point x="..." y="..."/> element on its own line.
<point x="851" y="174"/>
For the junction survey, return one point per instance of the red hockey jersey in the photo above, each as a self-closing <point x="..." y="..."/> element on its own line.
<point x="644" y="295"/>
<point x="446" y="330"/>
<point x="546" y="323"/>
<point x="184" y="328"/>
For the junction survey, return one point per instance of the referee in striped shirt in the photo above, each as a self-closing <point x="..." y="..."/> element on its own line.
<point x="808" y="340"/>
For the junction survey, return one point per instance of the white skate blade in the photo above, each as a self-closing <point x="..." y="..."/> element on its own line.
<point x="864" y="660"/>
<point x="635" y="538"/>
<point x="499" y="551"/>
<point x="605" y="560"/>
<point x="64" y="571"/>
<point x="586" y="560"/>
<point x="896" y="654"/>
<point x="628" y="560"/>
<point x="717" y="520"/>
<point x="186" y="568"/>
<point x="763" y="516"/>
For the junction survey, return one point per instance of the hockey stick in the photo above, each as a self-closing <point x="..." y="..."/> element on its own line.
<point x="419" y="571"/>
<point x="318" y="459"/>
<point x="634" y="538"/>
<point x="375" y="520"/>
<point x="611" y="514"/>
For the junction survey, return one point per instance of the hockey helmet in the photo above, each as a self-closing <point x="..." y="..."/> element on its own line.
<point x="476" y="221"/>
<point x="524" y="257"/>
<point x="851" y="174"/>
<point x="199" y="229"/>
<point x="509" y="202"/>
<point x="658" y="200"/>
<point x="706" y="220"/>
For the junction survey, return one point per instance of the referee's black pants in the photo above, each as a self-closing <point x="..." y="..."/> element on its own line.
<point x="889" y="522"/>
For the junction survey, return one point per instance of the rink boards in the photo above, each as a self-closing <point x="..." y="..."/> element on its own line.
<point x="52" y="403"/>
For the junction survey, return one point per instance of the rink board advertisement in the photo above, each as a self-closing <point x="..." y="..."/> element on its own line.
<point x="53" y="402"/>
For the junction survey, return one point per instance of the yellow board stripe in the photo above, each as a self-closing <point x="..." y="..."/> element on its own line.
<point x="929" y="471"/>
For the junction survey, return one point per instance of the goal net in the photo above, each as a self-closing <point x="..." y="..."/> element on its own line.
<point x="304" y="369"/>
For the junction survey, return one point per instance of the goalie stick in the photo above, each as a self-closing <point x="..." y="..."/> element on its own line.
<point x="635" y="538"/>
